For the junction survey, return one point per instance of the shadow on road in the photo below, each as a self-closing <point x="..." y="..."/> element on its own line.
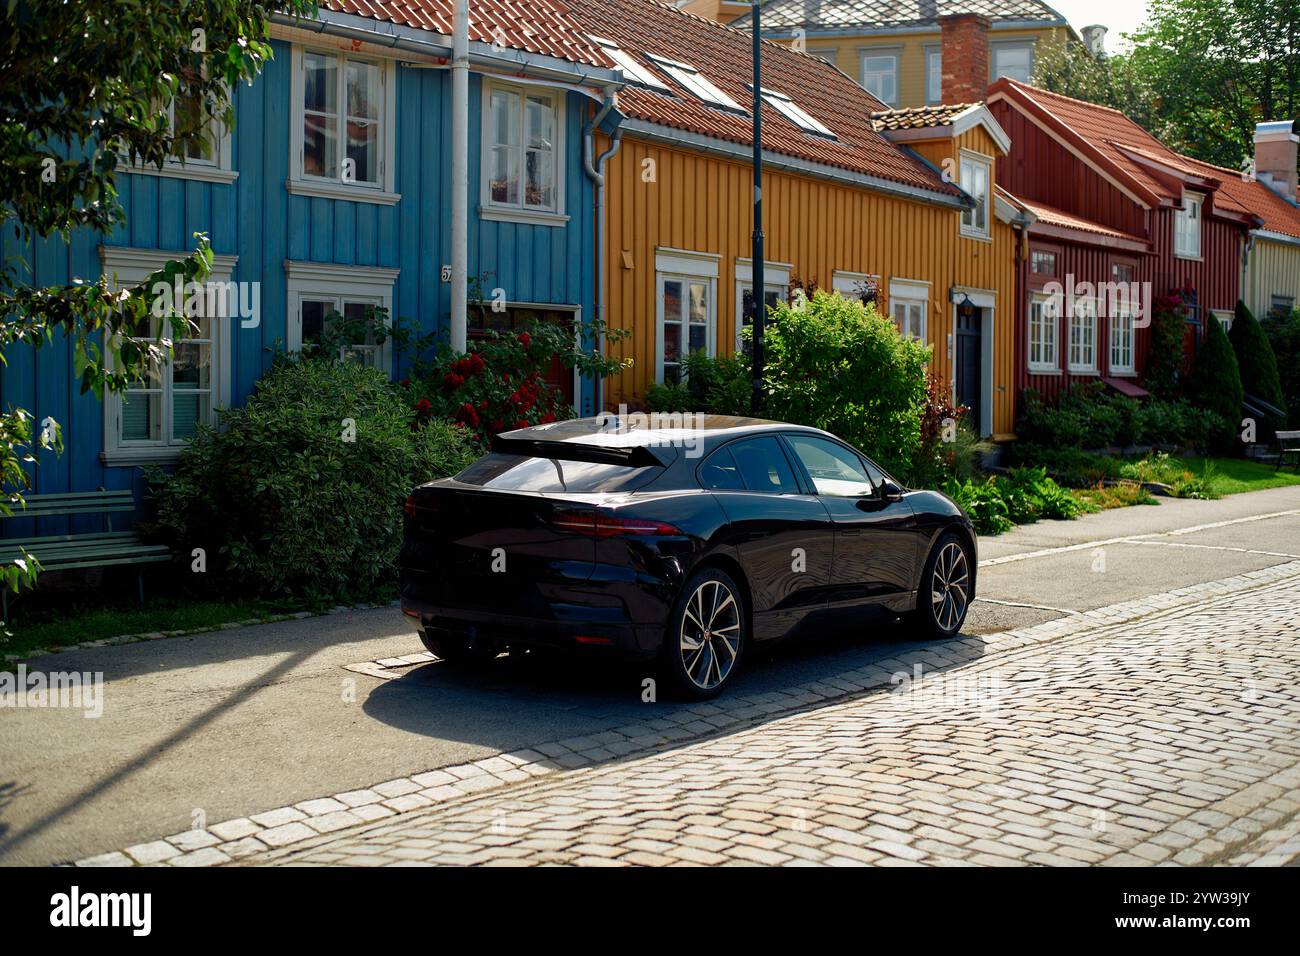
<point x="493" y="705"/>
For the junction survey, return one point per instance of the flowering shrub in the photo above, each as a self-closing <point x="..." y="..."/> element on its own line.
<point x="1165" y="358"/>
<point x="500" y="383"/>
<point x="948" y="444"/>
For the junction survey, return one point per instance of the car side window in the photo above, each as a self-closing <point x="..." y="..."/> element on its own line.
<point x="762" y="466"/>
<point x="835" y="471"/>
<point x="720" y="472"/>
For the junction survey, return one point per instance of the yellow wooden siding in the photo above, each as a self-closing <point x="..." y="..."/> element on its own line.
<point x="703" y="203"/>
<point x="1273" y="269"/>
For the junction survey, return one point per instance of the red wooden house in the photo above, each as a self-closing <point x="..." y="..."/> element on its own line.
<point x="1109" y="204"/>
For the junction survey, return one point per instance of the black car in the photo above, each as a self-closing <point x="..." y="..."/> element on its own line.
<point x="681" y="543"/>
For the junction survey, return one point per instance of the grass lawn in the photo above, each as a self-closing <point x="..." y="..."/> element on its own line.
<point x="1231" y="476"/>
<point x="55" y="626"/>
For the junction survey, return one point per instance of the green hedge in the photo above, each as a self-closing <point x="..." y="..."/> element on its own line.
<point x="1256" y="361"/>
<point x="1091" y="416"/>
<point x="300" y="491"/>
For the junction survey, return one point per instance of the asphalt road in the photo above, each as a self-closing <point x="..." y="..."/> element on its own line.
<point x="240" y="721"/>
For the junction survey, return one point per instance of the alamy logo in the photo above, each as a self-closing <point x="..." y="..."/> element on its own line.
<point x="215" y="299"/>
<point x="64" y="689"/>
<point x="1111" y="299"/>
<point x="75" y="908"/>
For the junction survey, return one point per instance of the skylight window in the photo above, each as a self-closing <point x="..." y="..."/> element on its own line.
<point x="693" y="80"/>
<point x="795" y="113"/>
<point x="632" y="68"/>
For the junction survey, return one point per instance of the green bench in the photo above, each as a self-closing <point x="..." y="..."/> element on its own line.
<point x="66" y="552"/>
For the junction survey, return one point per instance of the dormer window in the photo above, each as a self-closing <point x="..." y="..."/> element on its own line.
<point x="701" y="86"/>
<point x="1187" y="227"/>
<point x="976" y="181"/>
<point x="795" y="113"/>
<point x="632" y="68"/>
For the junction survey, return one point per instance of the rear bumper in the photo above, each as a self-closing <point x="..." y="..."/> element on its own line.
<point x="622" y="619"/>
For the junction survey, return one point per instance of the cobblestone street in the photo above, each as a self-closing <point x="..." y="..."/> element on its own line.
<point x="1174" y="738"/>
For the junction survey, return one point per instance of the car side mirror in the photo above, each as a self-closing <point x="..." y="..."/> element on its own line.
<point x="890" y="490"/>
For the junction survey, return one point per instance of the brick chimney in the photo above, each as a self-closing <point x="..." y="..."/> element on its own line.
<point x="1275" y="157"/>
<point x="964" y="53"/>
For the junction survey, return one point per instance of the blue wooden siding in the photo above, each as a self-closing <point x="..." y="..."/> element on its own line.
<point x="258" y="220"/>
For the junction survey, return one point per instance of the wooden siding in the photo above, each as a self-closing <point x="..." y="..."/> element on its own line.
<point x="701" y="203"/>
<point x="1273" y="269"/>
<point x="258" y="220"/>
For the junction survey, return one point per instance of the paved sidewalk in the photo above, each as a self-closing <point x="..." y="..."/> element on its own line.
<point x="1173" y="738"/>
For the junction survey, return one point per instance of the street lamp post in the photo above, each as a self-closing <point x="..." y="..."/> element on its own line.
<point x="758" y="314"/>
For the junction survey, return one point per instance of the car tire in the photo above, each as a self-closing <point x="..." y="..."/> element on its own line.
<point x="699" y="657"/>
<point x="456" y="649"/>
<point x="948" y="574"/>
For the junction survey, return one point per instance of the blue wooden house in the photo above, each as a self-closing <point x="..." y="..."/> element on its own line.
<point x="330" y="194"/>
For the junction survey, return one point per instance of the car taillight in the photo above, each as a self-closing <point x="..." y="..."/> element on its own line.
<point x="409" y="508"/>
<point x="596" y="525"/>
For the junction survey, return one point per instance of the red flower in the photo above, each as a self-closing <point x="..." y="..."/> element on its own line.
<point x="423" y="408"/>
<point x="521" y="423"/>
<point x="525" y="339"/>
<point x="453" y="381"/>
<point x="406" y="383"/>
<point x="476" y="363"/>
<point x="548" y="418"/>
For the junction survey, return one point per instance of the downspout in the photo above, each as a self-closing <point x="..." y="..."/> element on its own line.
<point x="596" y="173"/>
<point x="458" y="319"/>
<point x="1247" y="293"/>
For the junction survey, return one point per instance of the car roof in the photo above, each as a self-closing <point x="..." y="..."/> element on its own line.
<point x="637" y="429"/>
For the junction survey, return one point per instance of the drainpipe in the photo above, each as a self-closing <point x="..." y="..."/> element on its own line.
<point x="1247" y="293"/>
<point x="596" y="173"/>
<point x="459" y="176"/>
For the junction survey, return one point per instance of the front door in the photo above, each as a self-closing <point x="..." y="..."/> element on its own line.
<point x="968" y="362"/>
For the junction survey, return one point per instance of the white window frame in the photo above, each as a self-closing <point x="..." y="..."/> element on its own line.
<point x="131" y="267"/>
<point x="219" y="169"/>
<point x="971" y="159"/>
<point x="997" y="48"/>
<point x="933" y="75"/>
<point x="320" y="281"/>
<point x="519" y="212"/>
<point x="384" y="191"/>
<point x="686" y="266"/>
<point x="776" y="278"/>
<point x="1225" y="317"/>
<point x="1044" y="331"/>
<point x="891" y="54"/>
<point x="796" y="114"/>
<point x="633" y="69"/>
<point x="908" y="293"/>
<point x="1083" y="315"/>
<point x="696" y="83"/>
<point x="1123" y="337"/>
<point x="1187" y="225"/>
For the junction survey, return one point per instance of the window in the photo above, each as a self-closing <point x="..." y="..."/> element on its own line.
<point x="1121" y="340"/>
<point x="975" y="182"/>
<point x="694" y="82"/>
<point x="686" y="285"/>
<point x="1044" y="329"/>
<point x="154" y="418"/>
<point x="856" y="285"/>
<point x="835" y="471"/>
<point x="754" y="464"/>
<point x="776" y="285"/>
<point x="933" y="76"/>
<point x="522" y="153"/>
<point x="1042" y="263"/>
<point x="1015" y="60"/>
<point x="632" y="68"/>
<point x="343" y="129"/>
<point x="323" y="297"/>
<point x="205" y="162"/>
<point x="1187" y="227"/>
<point x="1083" y="336"/>
<point x="880" y="76"/>
<point x="1225" y="317"/>
<point x="795" y="114"/>
<point x="1281" y="305"/>
<point x="909" y="305"/>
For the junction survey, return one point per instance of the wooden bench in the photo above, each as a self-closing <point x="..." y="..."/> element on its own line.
<point x="1288" y="445"/>
<point x="66" y="552"/>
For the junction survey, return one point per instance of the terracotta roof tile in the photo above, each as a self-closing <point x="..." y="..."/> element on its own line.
<point x="919" y="117"/>
<point x="1051" y="216"/>
<point x="725" y="57"/>
<point x="544" y="27"/>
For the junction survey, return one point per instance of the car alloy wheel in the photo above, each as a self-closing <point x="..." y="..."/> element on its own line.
<point x="950" y="586"/>
<point x="709" y="641"/>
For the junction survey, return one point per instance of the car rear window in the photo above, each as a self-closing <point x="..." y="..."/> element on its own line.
<point x="524" y="473"/>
